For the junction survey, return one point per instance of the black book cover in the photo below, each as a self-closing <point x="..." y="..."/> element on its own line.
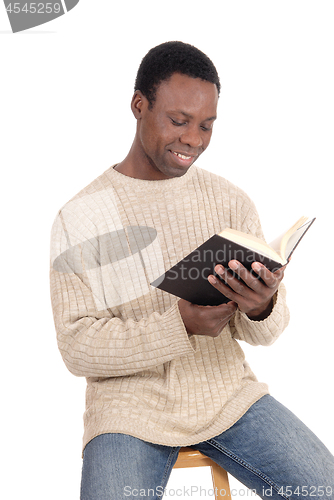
<point x="188" y="279"/>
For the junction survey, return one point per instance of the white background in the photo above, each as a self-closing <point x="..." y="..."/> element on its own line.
<point x="65" y="98"/>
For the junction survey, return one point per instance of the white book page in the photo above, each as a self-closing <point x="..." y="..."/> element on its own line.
<point x="293" y="240"/>
<point x="276" y="244"/>
<point x="296" y="237"/>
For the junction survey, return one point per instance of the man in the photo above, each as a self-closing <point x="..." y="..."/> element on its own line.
<point x="161" y="372"/>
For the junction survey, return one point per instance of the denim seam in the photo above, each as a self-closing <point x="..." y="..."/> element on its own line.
<point x="167" y="466"/>
<point x="247" y="466"/>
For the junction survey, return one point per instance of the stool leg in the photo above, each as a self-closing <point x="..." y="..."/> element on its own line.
<point x="220" y="482"/>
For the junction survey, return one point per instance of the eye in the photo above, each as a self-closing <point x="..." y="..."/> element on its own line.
<point x="177" y="124"/>
<point x="207" y="129"/>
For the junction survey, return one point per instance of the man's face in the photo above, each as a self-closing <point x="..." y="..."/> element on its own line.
<point x="177" y="129"/>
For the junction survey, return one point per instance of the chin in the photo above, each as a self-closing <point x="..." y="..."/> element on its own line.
<point x="167" y="169"/>
<point x="178" y="172"/>
<point x="174" y="171"/>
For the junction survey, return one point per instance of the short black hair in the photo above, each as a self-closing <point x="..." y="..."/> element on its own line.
<point x="162" y="61"/>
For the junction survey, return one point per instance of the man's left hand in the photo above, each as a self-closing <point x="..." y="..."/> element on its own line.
<point x="253" y="296"/>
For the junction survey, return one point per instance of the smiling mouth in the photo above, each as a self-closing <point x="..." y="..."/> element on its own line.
<point x="183" y="157"/>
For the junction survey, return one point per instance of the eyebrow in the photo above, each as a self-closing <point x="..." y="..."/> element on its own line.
<point x="191" y="116"/>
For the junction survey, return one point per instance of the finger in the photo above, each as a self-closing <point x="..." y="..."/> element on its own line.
<point x="280" y="272"/>
<point x="267" y="276"/>
<point x="227" y="312"/>
<point x="230" y="307"/>
<point x="272" y="280"/>
<point x="229" y="290"/>
<point x="246" y="285"/>
<point x="247" y="277"/>
<point x="222" y="310"/>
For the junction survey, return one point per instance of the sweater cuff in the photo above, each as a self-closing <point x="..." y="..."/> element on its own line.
<point x="174" y="327"/>
<point x="266" y="331"/>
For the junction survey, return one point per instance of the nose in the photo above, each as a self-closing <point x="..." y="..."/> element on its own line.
<point x="192" y="137"/>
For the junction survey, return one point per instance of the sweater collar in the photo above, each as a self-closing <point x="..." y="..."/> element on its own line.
<point x="147" y="186"/>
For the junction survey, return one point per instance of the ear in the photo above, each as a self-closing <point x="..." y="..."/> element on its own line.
<point x="138" y="104"/>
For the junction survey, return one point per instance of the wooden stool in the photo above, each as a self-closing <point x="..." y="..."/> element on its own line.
<point x="193" y="458"/>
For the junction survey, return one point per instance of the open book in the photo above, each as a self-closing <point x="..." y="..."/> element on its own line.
<point x="279" y="250"/>
<point x="188" y="279"/>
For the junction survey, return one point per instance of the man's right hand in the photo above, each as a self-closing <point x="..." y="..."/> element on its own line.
<point x="206" y="320"/>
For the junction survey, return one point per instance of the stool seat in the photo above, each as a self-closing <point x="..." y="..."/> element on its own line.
<point x="188" y="457"/>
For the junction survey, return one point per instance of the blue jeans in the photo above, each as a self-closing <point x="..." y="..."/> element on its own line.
<point x="268" y="449"/>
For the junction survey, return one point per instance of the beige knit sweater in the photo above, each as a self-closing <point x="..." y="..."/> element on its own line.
<point x="145" y="376"/>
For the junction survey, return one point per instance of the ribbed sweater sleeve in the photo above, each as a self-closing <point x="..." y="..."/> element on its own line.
<point x="97" y="344"/>
<point x="263" y="332"/>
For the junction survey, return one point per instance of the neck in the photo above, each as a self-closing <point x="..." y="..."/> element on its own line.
<point x="127" y="166"/>
<point x="137" y="165"/>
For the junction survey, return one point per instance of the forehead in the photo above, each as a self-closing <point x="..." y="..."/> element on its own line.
<point x="181" y="92"/>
